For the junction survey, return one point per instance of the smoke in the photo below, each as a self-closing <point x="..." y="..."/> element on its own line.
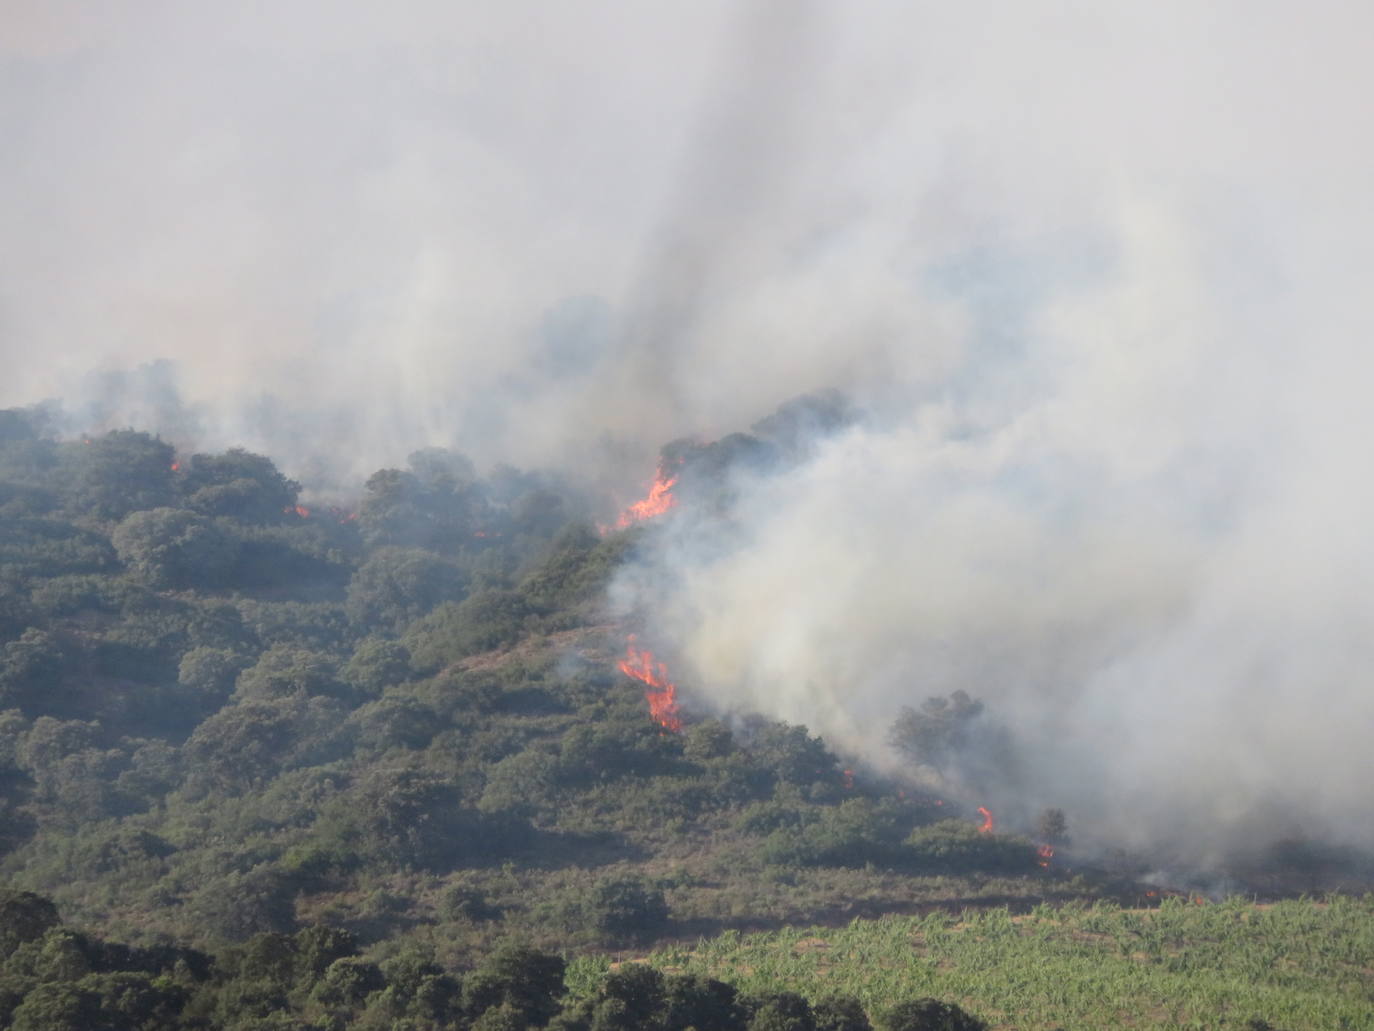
<point x="1096" y="276"/>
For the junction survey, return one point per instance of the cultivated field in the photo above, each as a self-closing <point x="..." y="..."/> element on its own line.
<point x="1298" y="965"/>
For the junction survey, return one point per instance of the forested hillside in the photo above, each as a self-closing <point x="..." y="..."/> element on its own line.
<point x="405" y="731"/>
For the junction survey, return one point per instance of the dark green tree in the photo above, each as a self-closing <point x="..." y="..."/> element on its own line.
<point x="24" y="917"/>
<point x="237" y="484"/>
<point x="932" y="735"/>
<point x="840" y="1013"/>
<point x="782" y="1011"/>
<point x="929" y="1015"/>
<point x="395" y="586"/>
<point x="171" y="547"/>
<point x="122" y="472"/>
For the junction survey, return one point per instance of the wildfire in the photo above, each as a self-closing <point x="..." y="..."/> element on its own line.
<point x="986" y="814"/>
<point x="1046" y="853"/>
<point x="659" y="500"/>
<point x="300" y="510"/>
<point x="661" y="694"/>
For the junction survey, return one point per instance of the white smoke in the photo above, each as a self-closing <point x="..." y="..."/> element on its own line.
<point x="1097" y="273"/>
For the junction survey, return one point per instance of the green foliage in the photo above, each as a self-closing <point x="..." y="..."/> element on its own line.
<point x="209" y="674"/>
<point x="32" y="671"/>
<point x="626" y="908"/>
<point x="24" y="917"/>
<point x="240" y="905"/>
<point x="171" y="547"/>
<point x="377" y="664"/>
<point x="855" y="832"/>
<point x="489" y="619"/>
<point x="247" y="743"/>
<point x="396" y="586"/>
<point x="840" y="1013"/>
<point x="35" y="547"/>
<point x="283" y="671"/>
<point x="122" y="472"/>
<point x="953" y="846"/>
<point x="932" y="735"/>
<point x="237" y="484"/>
<point x="929" y="1015"/>
<point x="794" y="755"/>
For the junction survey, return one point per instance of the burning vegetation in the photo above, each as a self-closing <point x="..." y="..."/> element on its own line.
<point x="658" y="501"/>
<point x="660" y="693"/>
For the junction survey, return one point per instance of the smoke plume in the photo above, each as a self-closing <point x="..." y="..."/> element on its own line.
<point x="1095" y="276"/>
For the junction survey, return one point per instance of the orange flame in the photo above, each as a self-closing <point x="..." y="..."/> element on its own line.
<point x="300" y="510"/>
<point x="1046" y="853"/>
<point x="176" y="466"/>
<point x="659" y="500"/>
<point x="986" y="814"/>
<point x="847" y="777"/>
<point x="662" y="695"/>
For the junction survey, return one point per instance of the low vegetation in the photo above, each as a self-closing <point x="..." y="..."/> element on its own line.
<point x="1296" y="964"/>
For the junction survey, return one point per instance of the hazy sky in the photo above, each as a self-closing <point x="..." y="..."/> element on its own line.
<point x="1097" y="272"/>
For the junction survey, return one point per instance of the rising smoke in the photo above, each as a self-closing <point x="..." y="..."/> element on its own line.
<point x="1096" y="276"/>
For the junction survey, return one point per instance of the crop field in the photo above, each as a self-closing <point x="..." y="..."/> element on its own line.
<point x="1298" y="965"/>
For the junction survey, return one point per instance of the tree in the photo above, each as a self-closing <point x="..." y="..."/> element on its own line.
<point x="283" y="671"/>
<point x="171" y="547"/>
<point x="31" y="672"/>
<point x="783" y="1011"/>
<point x="527" y="982"/>
<point x="122" y="472"/>
<point x="24" y="917"/>
<point x="840" y="1013"/>
<point x="932" y="735"/>
<point x="628" y="907"/>
<point x="485" y="621"/>
<point x="694" y="1001"/>
<point x="794" y="755"/>
<point x="377" y="664"/>
<point x="58" y="1006"/>
<point x="209" y="674"/>
<point x="238" y="484"/>
<point x="348" y="981"/>
<point x="929" y="1015"/>
<point x="396" y="586"/>
<point x="957" y="846"/>
<point x="1053" y="827"/>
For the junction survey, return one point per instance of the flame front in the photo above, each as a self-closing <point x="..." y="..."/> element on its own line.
<point x="986" y="814"/>
<point x="1046" y="853"/>
<point x="661" y="694"/>
<point x="659" y="500"/>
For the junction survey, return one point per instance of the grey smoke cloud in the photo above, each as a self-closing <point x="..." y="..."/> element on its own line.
<point x="1096" y="272"/>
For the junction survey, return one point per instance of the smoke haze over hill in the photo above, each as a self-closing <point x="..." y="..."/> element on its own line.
<point x="1095" y="276"/>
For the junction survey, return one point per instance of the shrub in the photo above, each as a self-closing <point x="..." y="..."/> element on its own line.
<point x="954" y="846"/>
<point x="929" y="1015"/>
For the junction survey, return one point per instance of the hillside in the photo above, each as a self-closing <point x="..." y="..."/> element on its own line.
<point x="226" y="713"/>
<point x="229" y="718"/>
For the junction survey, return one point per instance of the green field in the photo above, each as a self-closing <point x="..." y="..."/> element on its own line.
<point x="1299" y="965"/>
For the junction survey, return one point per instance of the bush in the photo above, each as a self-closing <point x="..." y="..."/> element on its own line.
<point x="486" y="621"/>
<point x="628" y="907"/>
<point x="929" y="1015"/>
<point x="954" y="846"/>
<point x="171" y="547"/>
<point x="395" y="586"/>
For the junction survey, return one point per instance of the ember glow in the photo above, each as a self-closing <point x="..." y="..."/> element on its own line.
<point x="655" y="503"/>
<point x="1046" y="853"/>
<point x="986" y="814"/>
<point x="661" y="694"/>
